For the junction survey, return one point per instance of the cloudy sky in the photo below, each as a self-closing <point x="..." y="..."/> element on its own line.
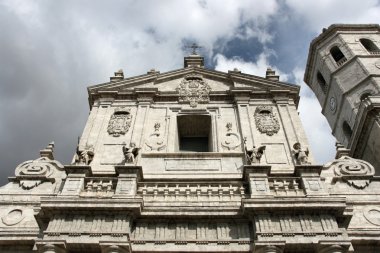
<point x="50" y="51"/>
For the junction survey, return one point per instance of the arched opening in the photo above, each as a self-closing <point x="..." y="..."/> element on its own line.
<point x="347" y="131"/>
<point x="338" y="55"/>
<point x="322" y="82"/>
<point x="364" y="96"/>
<point x="370" y="46"/>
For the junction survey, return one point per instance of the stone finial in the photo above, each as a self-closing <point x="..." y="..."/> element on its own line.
<point x="118" y="76"/>
<point x="271" y="75"/>
<point x="48" y="152"/>
<point x="153" y="72"/>
<point x="341" y="150"/>
<point x="194" y="59"/>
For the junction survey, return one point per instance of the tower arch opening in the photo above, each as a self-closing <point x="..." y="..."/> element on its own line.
<point x="322" y="82"/>
<point x="338" y="55"/>
<point x="370" y="46"/>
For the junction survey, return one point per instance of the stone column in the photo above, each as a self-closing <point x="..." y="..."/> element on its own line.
<point x="113" y="248"/>
<point x="332" y="249"/>
<point x="269" y="249"/>
<point x="51" y="247"/>
<point x="128" y="177"/>
<point x="257" y="178"/>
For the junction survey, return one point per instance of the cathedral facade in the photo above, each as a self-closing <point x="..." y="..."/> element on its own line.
<point x="192" y="160"/>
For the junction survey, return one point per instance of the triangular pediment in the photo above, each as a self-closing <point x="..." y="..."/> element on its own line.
<point x="217" y="83"/>
<point x="170" y="81"/>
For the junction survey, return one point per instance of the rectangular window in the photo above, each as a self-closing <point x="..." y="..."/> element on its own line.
<point x="194" y="133"/>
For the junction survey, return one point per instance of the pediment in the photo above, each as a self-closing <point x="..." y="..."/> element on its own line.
<point x="170" y="83"/>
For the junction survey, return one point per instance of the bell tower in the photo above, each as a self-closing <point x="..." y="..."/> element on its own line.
<point x="343" y="70"/>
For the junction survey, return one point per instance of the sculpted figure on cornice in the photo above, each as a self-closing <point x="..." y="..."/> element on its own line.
<point x="266" y="121"/>
<point x="301" y="154"/>
<point x="120" y="121"/>
<point x="194" y="89"/>
<point x="130" y="153"/>
<point x="253" y="155"/>
<point x="84" y="156"/>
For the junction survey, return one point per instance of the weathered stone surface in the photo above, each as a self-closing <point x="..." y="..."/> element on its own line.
<point x="192" y="160"/>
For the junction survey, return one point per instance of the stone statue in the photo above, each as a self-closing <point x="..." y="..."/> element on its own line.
<point x="253" y="155"/>
<point x="84" y="156"/>
<point x="300" y="154"/>
<point x="130" y="153"/>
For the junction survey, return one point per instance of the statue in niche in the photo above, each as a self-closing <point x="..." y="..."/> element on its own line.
<point x="130" y="153"/>
<point x="120" y="122"/>
<point x="253" y="155"/>
<point x="84" y="156"/>
<point x="300" y="154"/>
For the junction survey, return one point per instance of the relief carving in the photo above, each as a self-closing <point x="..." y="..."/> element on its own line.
<point x="156" y="140"/>
<point x="13" y="217"/>
<point x="194" y="89"/>
<point x="34" y="172"/>
<point x="266" y="121"/>
<point x="355" y="172"/>
<point x="232" y="140"/>
<point x="373" y="216"/>
<point x="120" y="121"/>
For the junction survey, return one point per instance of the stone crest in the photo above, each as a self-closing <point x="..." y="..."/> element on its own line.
<point x="120" y="122"/>
<point x="194" y="89"/>
<point x="266" y="121"/>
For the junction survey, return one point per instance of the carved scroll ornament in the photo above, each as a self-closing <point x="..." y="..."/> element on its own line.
<point x="194" y="89"/>
<point x="232" y="139"/>
<point x="120" y="122"/>
<point x="353" y="171"/>
<point x="266" y="121"/>
<point x="33" y="173"/>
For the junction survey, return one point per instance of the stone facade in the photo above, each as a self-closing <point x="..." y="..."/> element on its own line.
<point x="192" y="160"/>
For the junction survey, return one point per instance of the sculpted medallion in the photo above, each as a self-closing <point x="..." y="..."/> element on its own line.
<point x="266" y="121"/>
<point x="120" y="122"/>
<point x="194" y="89"/>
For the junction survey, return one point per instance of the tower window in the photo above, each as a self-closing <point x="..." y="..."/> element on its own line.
<point x="322" y="82"/>
<point x="347" y="131"/>
<point x="338" y="55"/>
<point x="370" y="46"/>
<point x="194" y="133"/>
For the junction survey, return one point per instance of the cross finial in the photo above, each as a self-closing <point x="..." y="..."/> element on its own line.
<point x="194" y="47"/>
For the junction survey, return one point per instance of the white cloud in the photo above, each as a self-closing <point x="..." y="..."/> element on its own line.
<point x="257" y="68"/>
<point x="322" y="13"/>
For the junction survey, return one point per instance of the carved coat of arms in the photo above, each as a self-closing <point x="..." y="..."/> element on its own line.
<point x="194" y="89"/>
<point x="266" y="121"/>
<point x="120" y="122"/>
